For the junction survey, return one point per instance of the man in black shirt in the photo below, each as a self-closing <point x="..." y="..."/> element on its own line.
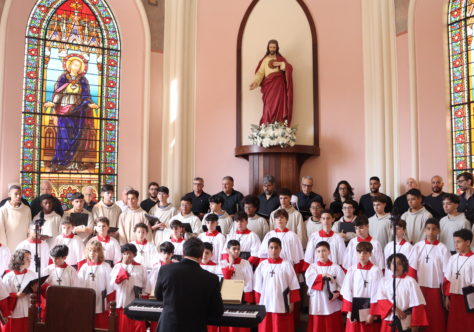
<point x="269" y="200"/>
<point x="152" y="199"/>
<point x="465" y="181"/>
<point x="231" y="197"/>
<point x="306" y="196"/>
<point x="199" y="198"/>
<point x="434" y="201"/>
<point x="400" y="206"/>
<point x="46" y="188"/>
<point x="366" y="205"/>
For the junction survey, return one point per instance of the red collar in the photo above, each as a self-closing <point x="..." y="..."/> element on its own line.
<point x="367" y="239"/>
<point x="34" y="241"/>
<point x="20" y="272"/>
<point x="177" y="240"/>
<point x="367" y="266"/>
<point x="90" y="263"/>
<point x="400" y="277"/>
<point x="469" y="254"/>
<point x="103" y="239"/>
<point x="132" y="263"/>
<point x="275" y="260"/>
<point x="236" y="260"/>
<point x="328" y="263"/>
<point x="213" y="233"/>
<point x="247" y="231"/>
<point x="323" y="233"/>
<point x="281" y="231"/>
<point x="164" y="263"/>
<point x="70" y="236"/>
<point x="209" y="263"/>
<point x="62" y="266"/>
<point x="141" y="242"/>
<point x="432" y="243"/>
<point x="402" y="242"/>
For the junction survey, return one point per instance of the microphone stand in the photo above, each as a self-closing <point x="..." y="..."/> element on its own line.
<point x="38" y="224"/>
<point x="396" y="324"/>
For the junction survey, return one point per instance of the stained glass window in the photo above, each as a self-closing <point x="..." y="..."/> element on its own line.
<point x="71" y="97"/>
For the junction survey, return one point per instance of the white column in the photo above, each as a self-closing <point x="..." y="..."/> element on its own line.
<point x="179" y="63"/>
<point x="415" y="163"/>
<point x="380" y="93"/>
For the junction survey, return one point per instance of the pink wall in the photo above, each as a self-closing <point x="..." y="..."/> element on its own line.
<point x="131" y="96"/>
<point x="156" y="93"/>
<point x="340" y="88"/>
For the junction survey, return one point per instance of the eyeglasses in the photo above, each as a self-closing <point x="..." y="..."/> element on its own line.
<point x="306" y="185"/>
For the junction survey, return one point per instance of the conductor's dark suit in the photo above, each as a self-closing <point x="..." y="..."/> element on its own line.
<point x="190" y="295"/>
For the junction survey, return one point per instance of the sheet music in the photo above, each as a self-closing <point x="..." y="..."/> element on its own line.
<point x="364" y="315"/>
<point x="232" y="291"/>
<point x="470" y="300"/>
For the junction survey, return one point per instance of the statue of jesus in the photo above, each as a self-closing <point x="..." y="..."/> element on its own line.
<point x="274" y="76"/>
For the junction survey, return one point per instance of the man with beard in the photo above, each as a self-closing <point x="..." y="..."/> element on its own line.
<point x="152" y="199"/>
<point x="274" y="76"/>
<point x="306" y="196"/>
<point x="366" y="204"/>
<point x="269" y="200"/>
<point x="400" y="206"/>
<point x="465" y="181"/>
<point x="434" y="201"/>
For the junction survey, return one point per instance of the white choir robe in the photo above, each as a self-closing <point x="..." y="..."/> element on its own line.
<point x="3" y="298"/>
<point x="360" y="281"/>
<point x="97" y="277"/>
<point x="111" y="248"/>
<point x="124" y="288"/>
<point x="450" y="225"/>
<point x="319" y="303"/>
<point x="402" y="247"/>
<point x="75" y="246"/>
<point x="217" y="240"/>
<point x="16" y="281"/>
<point x="409" y="296"/>
<point x="178" y="245"/>
<point x="212" y="267"/>
<point x="147" y="254"/>
<point x="272" y="277"/>
<point x="295" y="224"/>
<point x="111" y="212"/>
<point x="416" y="224"/>
<point x="249" y="242"/>
<point x="31" y="247"/>
<point x="291" y="248"/>
<point x="336" y="243"/>
<point x="165" y="214"/>
<point x="240" y="270"/>
<point x="127" y="222"/>
<point x="14" y="224"/>
<point x="90" y="222"/>
<point x="63" y="275"/>
<point x="380" y="228"/>
<point x="191" y="219"/>
<point x="225" y="222"/>
<point x="259" y="225"/>
<point x="5" y="255"/>
<point x="312" y="226"/>
<point x="351" y="259"/>
<point x="51" y="226"/>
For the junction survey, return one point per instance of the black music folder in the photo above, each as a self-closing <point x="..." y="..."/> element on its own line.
<point x="468" y="293"/>
<point x="79" y="219"/>
<point x="360" y="308"/>
<point x="152" y="219"/>
<point x="29" y="288"/>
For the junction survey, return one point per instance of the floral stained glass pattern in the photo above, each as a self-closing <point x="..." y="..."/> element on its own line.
<point x="71" y="97"/>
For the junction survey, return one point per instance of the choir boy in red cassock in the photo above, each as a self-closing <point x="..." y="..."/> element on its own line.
<point x="30" y="245"/>
<point x="111" y="245"/>
<point x="147" y="255"/>
<point x="72" y="241"/>
<point x="207" y="263"/>
<point x="213" y="236"/>
<point x="402" y="246"/>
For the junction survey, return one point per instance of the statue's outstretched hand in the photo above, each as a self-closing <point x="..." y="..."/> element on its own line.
<point x="49" y="104"/>
<point x="254" y="85"/>
<point x="94" y="106"/>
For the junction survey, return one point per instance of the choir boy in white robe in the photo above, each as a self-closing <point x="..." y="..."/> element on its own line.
<point x="256" y="224"/>
<point x="313" y="224"/>
<point x="452" y="222"/>
<point x="427" y="263"/>
<point x="225" y="220"/>
<point x="30" y="245"/>
<point x="177" y="239"/>
<point x="402" y="246"/>
<point x="5" y="255"/>
<point x="416" y="216"/>
<point x="73" y="242"/>
<point x="111" y="246"/>
<point x="380" y="223"/>
<point x="459" y="273"/>
<point x="362" y="231"/>
<point x="59" y="272"/>
<point x="4" y="300"/>
<point x="15" y="218"/>
<point x="95" y="274"/>
<point x="78" y="207"/>
<point x="15" y="282"/>
<point x="295" y="219"/>
<point x="291" y="248"/>
<point x="129" y="280"/>
<point x="336" y="243"/>
<point x="186" y="216"/>
<point x="349" y="208"/>
<point x="147" y="255"/>
<point x="130" y="217"/>
<point x="249" y="241"/>
<point x="213" y="236"/>
<point x="362" y="281"/>
<point x="52" y="221"/>
<point x="324" y="280"/>
<point x="411" y="305"/>
<point x="106" y="206"/>
<point x="207" y="263"/>
<point x="165" y="212"/>
<point x="273" y="278"/>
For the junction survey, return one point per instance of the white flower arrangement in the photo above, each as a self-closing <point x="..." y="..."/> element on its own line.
<point x="273" y="134"/>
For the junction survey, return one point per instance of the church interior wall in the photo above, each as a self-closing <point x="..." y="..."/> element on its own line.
<point x="155" y="124"/>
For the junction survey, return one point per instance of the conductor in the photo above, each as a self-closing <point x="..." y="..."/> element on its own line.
<point x="190" y="294"/>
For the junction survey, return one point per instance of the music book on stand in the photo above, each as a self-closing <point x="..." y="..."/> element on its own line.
<point x="232" y="291"/>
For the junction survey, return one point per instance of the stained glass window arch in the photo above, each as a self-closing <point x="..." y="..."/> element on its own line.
<point x="70" y="97"/>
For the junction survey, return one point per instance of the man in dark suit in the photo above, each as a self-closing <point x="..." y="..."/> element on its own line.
<point x="190" y="294"/>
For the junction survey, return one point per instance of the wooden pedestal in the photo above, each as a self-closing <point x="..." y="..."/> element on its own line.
<point x="283" y="163"/>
